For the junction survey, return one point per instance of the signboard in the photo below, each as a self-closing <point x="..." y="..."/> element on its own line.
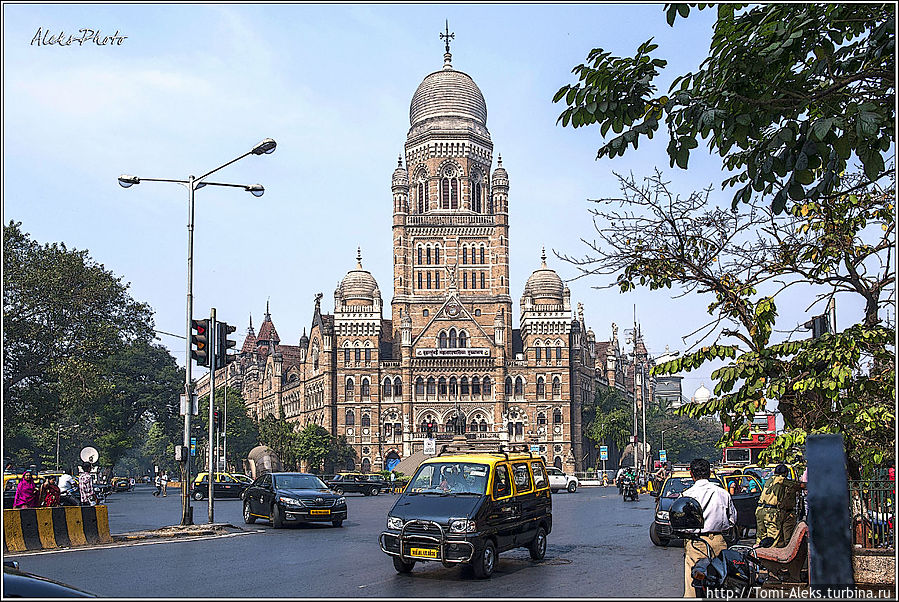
<point x="430" y="446"/>
<point x="193" y="446"/>
<point x="535" y="448"/>
<point x="455" y="352"/>
<point x="603" y="452"/>
<point x="663" y="455"/>
<point x="194" y="410"/>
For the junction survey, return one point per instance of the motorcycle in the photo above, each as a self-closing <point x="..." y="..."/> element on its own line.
<point x="629" y="490"/>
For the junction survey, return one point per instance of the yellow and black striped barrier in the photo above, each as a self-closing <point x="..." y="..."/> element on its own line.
<point x="26" y="529"/>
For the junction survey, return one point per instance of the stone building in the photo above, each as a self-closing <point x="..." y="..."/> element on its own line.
<point x="447" y="353"/>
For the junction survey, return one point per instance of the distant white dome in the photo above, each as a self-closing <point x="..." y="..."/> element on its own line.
<point x="702" y="394"/>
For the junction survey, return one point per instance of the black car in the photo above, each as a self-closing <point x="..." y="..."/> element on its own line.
<point x="226" y="486"/>
<point x="292" y="497"/>
<point x="352" y="482"/>
<point x="21" y="584"/>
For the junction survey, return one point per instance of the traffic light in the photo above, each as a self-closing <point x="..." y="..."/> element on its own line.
<point x="217" y="419"/>
<point x="223" y="344"/>
<point x="199" y="342"/>
<point x="430" y="429"/>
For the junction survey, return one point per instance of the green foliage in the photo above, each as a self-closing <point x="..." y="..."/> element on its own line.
<point x="787" y="96"/>
<point x="314" y="445"/>
<point x="281" y="436"/>
<point x="609" y="419"/>
<point x="243" y="433"/>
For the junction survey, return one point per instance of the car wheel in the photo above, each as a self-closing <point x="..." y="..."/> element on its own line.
<point x="366" y="492"/>
<point x="337" y="523"/>
<point x="375" y="491"/>
<point x="538" y="545"/>
<point x="655" y="538"/>
<point x="198" y="495"/>
<point x="338" y="490"/>
<point x="572" y="487"/>
<point x="277" y="521"/>
<point x="247" y="516"/>
<point x="402" y="566"/>
<point x="485" y="561"/>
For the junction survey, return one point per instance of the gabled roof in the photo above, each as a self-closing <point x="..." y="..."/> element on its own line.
<point x="463" y="316"/>
<point x="249" y="343"/>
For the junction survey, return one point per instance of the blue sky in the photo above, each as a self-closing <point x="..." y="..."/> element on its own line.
<point x="193" y="86"/>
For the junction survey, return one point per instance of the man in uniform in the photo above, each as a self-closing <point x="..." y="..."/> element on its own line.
<point x="775" y="515"/>
<point x="718" y="513"/>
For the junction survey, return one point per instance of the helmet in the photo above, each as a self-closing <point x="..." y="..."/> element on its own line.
<point x="685" y="513"/>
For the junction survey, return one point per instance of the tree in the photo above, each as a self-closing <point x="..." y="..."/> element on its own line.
<point x="243" y="433"/>
<point x="787" y="96"/>
<point x="315" y="444"/>
<point x="839" y="244"/>
<point x="609" y="419"/>
<point x="281" y="436"/>
<point x="339" y="454"/>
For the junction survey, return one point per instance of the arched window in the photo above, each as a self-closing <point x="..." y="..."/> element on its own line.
<point x="464" y="255"/>
<point x="387" y="388"/>
<point x="350" y="418"/>
<point x="476" y="199"/>
<point x="541" y="385"/>
<point x="464" y="386"/>
<point x="422" y="203"/>
<point x="464" y="279"/>
<point x="490" y="204"/>
<point x="508" y="390"/>
<point x="486" y="385"/>
<point x="453" y="387"/>
<point x="368" y="354"/>
<point x="557" y="416"/>
<point x="366" y="420"/>
<point x="358" y="354"/>
<point x="420" y="262"/>
<point x="346" y="355"/>
<point x="437" y="254"/>
<point x="557" y="388"/>
<point x="419" y="280"/>
<point x="365" y="389"/>
<point x="475" y="386"/>
<point x="419" y="388"/>
<point x="428" y="255"/>
<point x="436" y="279"/>
<point x="398" y="387"/>
<point x="539" y="351"/>
<point x="519" y="387"/>
<point x="519" y="429"/>
<point x="541" y="418"/>
<point x="482" y="255"/>
<point x="454" y="193"/>
<point x="432" y="386"/>
<point x="350" y="390"/>
<point x="559" y="351"/>
<point x="366" y="465"/>
<point x="452" y="338"/>
<point x="463" y="339"/>
<point x="442" y="340"/>
<point x="558" y="462"/>
<point x="429" y="278"/>
<point x="441" y="387"/>
<point x="483" y="279"/>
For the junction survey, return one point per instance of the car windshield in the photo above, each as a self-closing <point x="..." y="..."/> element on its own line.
<point x="675" y="486"/>
<point x="450" y="478"/>
<point x="298" y="481"/>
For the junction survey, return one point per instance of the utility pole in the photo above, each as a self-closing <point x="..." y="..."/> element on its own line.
<point x="212" y="446"/>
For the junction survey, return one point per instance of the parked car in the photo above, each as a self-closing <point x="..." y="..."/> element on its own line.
<point x="226" y="485"/>
<point x="559" y="480"/>
<point x="121" y="484"/>
<point x="292" y="497"/>
<point x="357" y="482"/>
<point x="468" y="507"/>
<point x="747" y="491"/>
<point x="21" y="584"/>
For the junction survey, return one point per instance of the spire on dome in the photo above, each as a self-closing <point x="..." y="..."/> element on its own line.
<point x="543" y="257"/>
<point x="399" y="160"/>
<point x="447" y="57"/>
<point x="499" y="161"/>
<point x="358" y="258"/>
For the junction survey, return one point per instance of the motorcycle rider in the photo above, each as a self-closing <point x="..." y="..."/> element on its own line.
<point x="719" y="515"/>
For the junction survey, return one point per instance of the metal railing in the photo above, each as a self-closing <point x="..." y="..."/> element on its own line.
<point x="872" y="504"/>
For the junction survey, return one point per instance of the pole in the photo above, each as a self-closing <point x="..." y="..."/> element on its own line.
<point x="186" y="510"/>
<point x="225" y="424"/>
<point x="57" y="447"/>
<point x="211" y="439"/>
<point x="643" y="408"/>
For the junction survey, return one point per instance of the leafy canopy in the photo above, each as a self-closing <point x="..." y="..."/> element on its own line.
<point x="788" y="95"/>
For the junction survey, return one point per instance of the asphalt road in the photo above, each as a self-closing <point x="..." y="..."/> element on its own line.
<point x="599" y="547"/>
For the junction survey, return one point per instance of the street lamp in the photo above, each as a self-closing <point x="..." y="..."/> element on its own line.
<point x="193" y="184"/>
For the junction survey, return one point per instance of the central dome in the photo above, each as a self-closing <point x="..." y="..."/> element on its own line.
<point x="448" y="93"/>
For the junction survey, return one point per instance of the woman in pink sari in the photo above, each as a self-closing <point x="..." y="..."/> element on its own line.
<point x="26" y="492"/>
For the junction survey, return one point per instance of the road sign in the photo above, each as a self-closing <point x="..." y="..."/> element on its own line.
<point x="663" y="455"/>
<point x="430" y="446"/>
<point x="193" y="446"/>
<point x="603" y="452"/>
<point x="535" y="448"/>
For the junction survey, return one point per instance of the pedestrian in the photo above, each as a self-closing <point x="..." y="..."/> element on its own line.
<point x="775" y="515"/>
<point x="130" y="483"/>
<point x="165" y="483"/>
<point x="26" y="492"/>
<point x="158" y="483"/>
<point x="49" y="495"/>
<point x="392" y="481"/>
<point x="718" y="513"/>
<point x="86" y="486"/>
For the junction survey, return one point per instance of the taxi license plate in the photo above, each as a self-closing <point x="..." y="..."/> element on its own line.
<point x="319" y="512"/>
<point x="423" y="552"/>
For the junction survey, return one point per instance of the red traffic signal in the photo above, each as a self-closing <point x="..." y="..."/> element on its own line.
<point x="199" y="341"/>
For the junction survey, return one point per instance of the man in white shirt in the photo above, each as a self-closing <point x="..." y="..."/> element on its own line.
<point x="718" y="514"/>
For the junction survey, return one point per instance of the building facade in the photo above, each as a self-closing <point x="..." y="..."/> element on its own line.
<point x="446" y="351"/>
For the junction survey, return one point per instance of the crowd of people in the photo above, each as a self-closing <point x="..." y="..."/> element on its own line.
<point x="50" y="492"/>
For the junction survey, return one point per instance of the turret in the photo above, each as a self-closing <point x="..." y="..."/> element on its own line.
<point x="400" y="188"/>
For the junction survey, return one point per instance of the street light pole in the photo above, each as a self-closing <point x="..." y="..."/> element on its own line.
<point x="265" y="147"/>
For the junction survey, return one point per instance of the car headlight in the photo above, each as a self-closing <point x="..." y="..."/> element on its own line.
<point x="662" y="515"/>
<point x="394" y="523"/>
<point x="462" y="526"/>
<point x="289" y="501"/>
<point x="341" y="501"/>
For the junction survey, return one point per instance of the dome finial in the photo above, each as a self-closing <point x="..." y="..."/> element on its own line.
<point x="358" y="258"/>
<point x="447" y="57"/>
<point x="499" y="161"/>
<point x="543" y="257"/>
<point x="399" y="160"/>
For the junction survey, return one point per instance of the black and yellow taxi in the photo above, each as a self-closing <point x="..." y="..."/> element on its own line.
<point x="358" y="482"/>
<point x="226" y="485"/>
<point x="466" y="506"/>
